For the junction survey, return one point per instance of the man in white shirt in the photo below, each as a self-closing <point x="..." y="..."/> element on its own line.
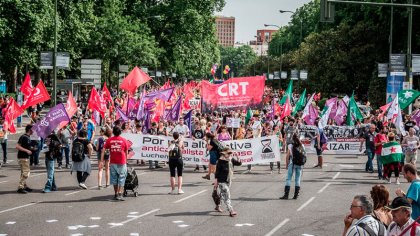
<point x="402" y="221"/>
<point x="361" y="209"/>
<point x="182" y="128"/>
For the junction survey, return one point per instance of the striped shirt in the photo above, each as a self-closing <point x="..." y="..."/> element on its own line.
<point x="355" y="230"/>
<point x="395" y="230"/>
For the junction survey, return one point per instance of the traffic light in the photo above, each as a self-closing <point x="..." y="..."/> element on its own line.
<point x="327" y="11"/>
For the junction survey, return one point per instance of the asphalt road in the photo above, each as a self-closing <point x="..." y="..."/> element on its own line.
<point x="320" y="209"/>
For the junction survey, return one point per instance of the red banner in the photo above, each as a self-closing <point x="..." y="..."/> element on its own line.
<point x="39" y="94"/>
<point x="236" y="93"/>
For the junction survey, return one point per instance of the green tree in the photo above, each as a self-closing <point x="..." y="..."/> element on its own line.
<point x="238" y="59"/>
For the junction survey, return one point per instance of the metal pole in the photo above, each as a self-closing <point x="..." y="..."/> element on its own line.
<point x="391" y="29"/>
<point x="409" y="36"/>
<point x="300" y="42"/>
<point x="54" y="100"/>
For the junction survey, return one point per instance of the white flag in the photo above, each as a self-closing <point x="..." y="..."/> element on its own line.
<point x="324" y="119"/>
<point x="393" y="109"/>
<point x="308" y="104"/>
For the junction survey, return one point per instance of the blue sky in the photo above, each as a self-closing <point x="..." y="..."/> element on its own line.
<point x="251" y="15"/>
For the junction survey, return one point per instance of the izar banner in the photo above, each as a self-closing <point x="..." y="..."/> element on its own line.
<point x="341" y="139"/>
<point x="249" y="151"/>
<point x="235" y="93"/>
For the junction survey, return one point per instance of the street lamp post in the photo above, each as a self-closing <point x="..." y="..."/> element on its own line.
<point x="55" y="57"/>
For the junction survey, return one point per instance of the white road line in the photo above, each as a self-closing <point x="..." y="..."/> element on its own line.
<point x="323" y="188"/>
<point x="336" y="175"/>
<point x="4" y="181"/>
<point x="195" y="194"/>
<point x="73" y="192"/>
<point x="278" y="227"/>
<point x="35" y="175"/>
<point x="306" y="203"/>
<point x="15" y="208"/>
<point x="129" y="220"/>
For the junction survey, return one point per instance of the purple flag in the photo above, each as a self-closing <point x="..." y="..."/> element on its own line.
<point x="132" y="108"/>
<point x="173" y="114"/>
<point x="146" y="125"/>
<point x="341" y="112"/>
<point x="164" y="94"/>
<point x="121" y="114"/>
<point x="140" y="110"/>
<point x="311" y="117"/>
<point x="416" y="116"/>
<point x="332" y="102"/>
<point x="48" y="123"/>
<point x="188" y="118"/>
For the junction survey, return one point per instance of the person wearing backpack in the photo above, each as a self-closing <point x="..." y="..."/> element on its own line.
<point x="295" y="159"/>
<point x="361" y="209"/>
<point x="402" y="223"/>
<point x="176" y="162"/>
<point x="53" y="153"/>
<point x="80" y="154"/>
<point x="320" y="140"/>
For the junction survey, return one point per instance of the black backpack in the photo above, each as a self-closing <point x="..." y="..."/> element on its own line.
<point x="298" y="155"/>
<point x="219" y="145"/>
<point x="77" y="151"/>
<point x="175" y="151"/>
<point x="55" y="148"/>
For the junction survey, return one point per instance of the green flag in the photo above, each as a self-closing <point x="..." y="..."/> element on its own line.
<point x="288" y="93"/>
<point x="353" y="110"/>
<point x="391" y="152"/>
<point x="300" y="103"/>
<point x="406" y="97"/>
<point x="248" y="116"/>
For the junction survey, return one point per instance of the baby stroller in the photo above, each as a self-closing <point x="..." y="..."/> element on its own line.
<point x="131" y="182"/>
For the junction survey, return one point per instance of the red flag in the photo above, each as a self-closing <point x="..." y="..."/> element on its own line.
<point x="277" y="109"/>
<point x="133" y="80"/>
<point x="13" y="110"/>
<point x="287" y="109"/>
<point x="71" y="109"/>
<point x="39" y="94"/>
<point x="26" y="87"/>
<point x="96" y="102"/>
<point x="106" y="94"/>
<point x="159" y="110"/>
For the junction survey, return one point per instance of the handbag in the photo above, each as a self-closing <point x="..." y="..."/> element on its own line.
<point x="216" y="197"/>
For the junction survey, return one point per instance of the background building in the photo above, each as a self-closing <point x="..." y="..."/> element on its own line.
<point x="261" y="42"/>
<point x="225" y="27"/>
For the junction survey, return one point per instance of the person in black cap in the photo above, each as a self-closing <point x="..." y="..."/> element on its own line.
<point x="402" y="223"/>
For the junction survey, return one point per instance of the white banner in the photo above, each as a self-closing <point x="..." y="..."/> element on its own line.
<point x="249" y="151"/>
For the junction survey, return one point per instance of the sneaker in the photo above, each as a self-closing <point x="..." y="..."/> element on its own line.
<point x="27" y="189"/>
<point x="67" y="166"/>
<point x="83" y="186"/>
<point x="46" y="191"/>
<point x="206" y="177"/>
<point x="158" y="167"/>
<point x="315" y="166"/>
<point x="196" y="169"/>
<point x="99" y="187"/>
<point x="21" y="190"/>
<point x="115" y="197"/>
<point x="180" y="191"/>
<point x="279" y="171"/>
<point x="233" y="214"/>
<point x="59" y="167"/>
<point x="120" y="197"/>
<point x="219" y="209"/>
<point x="172" y="192"/>
<point x="389" y="181"/>
<point x="398" y="182"/>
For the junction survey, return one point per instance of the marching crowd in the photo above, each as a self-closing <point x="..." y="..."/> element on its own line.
<point x="78" y="141"/>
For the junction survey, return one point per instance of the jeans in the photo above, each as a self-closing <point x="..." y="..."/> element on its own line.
<point x="4" y="147"/>
<point x="50" y="185"/>
<point x="379" y="162"/>
<point x="66" y="152"/>
<point x="298" y="173"/>
<point x="82" y="176"/>
<point x="369" y="163"/>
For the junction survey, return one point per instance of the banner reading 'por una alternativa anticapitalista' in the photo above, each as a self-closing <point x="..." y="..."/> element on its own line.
<point x="249" y="151"/>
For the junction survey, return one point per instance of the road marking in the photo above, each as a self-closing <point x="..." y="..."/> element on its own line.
<point x="346" y="166"/>
<point x="182" y="226"/>
<point x="73" y="192"/>
<point x="307" y="235"/>
<point x="15" y="208"/>
<point x="51" y="221"/>
<point x="336" y="175"/>
<point x="134" y="234"/>
<point x="129" y="220"/>
<point x="4" y="181"/>
<point x="75" y="227"/>
<point x="11" y="223"/>
<point x="35" y="175"/>
<point x="195" y="194"/>
<point x="93" y="226"/>
<point x="246" y="224"/>
<point x="323" y="188"/>
<point x="95" y="218"/>
<point x="133" y="213"/>
<point x="177" y="221"/>
<point x="278" y="227"/>
<point x="306" y="203"/>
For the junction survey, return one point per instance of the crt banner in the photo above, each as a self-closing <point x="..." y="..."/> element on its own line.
<point x="235" y="93"/>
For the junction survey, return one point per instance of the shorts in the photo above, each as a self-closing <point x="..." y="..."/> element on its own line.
<point x="318" y="151"/>
<point x="118" y="174"/>
<point x="176" y="164"/>
<point x="106" y="157"/>
<point x="213" y="157"/>
<point x="411" y="157"/>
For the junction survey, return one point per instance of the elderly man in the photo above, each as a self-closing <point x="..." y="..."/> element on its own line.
<point x="413" y="193"/>
<point x="402" y="223"/>
<point x="361" y="209"/>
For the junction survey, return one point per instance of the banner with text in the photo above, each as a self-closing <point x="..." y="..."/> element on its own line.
<point x="249" y="151"/>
